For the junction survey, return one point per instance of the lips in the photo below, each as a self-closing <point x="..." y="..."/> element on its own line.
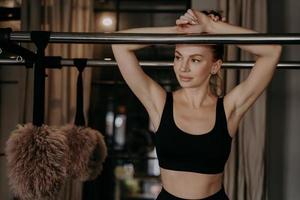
<point x="185" y="78"/>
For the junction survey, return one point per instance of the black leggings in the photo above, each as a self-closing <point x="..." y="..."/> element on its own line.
<point x="164" y="195"/>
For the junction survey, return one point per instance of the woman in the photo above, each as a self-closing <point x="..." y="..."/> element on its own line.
<point x="194" y="125"/>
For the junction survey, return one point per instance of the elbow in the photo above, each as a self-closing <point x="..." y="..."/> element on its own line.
<point x="276" y="51"/>
<point x="273" y="51"/>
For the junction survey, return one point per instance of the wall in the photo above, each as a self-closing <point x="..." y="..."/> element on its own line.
<point x="283" y="170"/>
<point x="204" y="4"/>
<point x="9" y="113"/>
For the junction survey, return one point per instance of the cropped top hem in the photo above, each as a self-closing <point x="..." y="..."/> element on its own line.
<point x="210" y="171"/>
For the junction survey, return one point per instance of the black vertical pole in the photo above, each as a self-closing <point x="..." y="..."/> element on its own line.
<point x="79" y="117"/>
<point x="40" y="39"/>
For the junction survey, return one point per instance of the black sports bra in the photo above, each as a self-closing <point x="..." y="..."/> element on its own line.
<point x="177" y="150"/>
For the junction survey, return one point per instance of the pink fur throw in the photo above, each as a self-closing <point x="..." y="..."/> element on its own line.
<point x="36" y="161"/>
<point x="87" y="152"/>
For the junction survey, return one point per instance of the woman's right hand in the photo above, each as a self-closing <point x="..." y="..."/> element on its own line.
<point x="197" y="22"/>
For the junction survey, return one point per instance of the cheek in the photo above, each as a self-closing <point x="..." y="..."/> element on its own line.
<point x="202" y="69"/>
<point x="176" y="67"/>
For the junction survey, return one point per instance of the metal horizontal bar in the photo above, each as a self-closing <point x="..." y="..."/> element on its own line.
<point x="134" y="38"/>
<point x="126" y="10"/>
<point x="8" y="82"/>
<point x="157" y="64"/>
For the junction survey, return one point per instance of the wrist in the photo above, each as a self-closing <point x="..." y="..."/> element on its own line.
<point x="172" y="29"/>
<point x="210" y="26"/>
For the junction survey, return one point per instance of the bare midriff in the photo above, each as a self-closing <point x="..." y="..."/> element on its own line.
<point x="190" y="185"/>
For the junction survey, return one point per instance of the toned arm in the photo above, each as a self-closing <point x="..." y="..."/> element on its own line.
<point x="267" y="57"/>
<point x="243" y="96"/>
<point x="150" y="93"/>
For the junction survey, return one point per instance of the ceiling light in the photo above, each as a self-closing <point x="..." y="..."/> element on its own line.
<point x="107" y="21"/>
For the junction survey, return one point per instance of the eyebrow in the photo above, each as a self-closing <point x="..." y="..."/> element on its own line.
<point x="190" y="55"/>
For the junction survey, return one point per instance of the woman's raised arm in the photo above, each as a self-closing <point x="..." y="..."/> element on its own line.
<point x="150" y="93"/>
<point x="267" y="56"/>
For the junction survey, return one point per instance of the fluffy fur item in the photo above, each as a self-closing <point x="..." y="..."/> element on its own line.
<point x="36" y="161"/>
<point x="87" y="152"/>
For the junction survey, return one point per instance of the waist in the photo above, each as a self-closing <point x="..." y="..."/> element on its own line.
<point x="220" y="195"/>
<point x="190" y="185"/>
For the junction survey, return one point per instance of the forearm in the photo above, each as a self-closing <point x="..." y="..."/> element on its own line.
<point x="163" y="29"/>
<point x="132" y="47"/>
<point x="258" y="50"/>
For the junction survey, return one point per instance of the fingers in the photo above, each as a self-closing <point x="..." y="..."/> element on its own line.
<point x="188" y="18"/>
<point x="181" y="22"/>
<point x="192" y="17"/>
<point x="195" y="17"/>
<point x="214" y="17"/>
<point x="185" y="19"/>
<point x="190" y="11"/>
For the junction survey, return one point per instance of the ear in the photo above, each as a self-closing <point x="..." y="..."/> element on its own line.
<point x="216" y="66"/>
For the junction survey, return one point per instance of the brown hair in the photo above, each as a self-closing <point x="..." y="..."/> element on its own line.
<point x="216" y="81"/>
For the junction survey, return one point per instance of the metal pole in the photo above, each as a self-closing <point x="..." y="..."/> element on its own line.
<point x="133" y="38"/>
<point x="155" y="64"/>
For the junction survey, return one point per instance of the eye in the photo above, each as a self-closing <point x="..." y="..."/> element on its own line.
<point x="196" y="60"/>
<point x="177" y="57"/>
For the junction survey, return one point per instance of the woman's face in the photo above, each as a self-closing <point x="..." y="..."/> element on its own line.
<point x="193" y="64"/>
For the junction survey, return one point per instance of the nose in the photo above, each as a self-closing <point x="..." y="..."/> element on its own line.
<point x="184" y="67"/>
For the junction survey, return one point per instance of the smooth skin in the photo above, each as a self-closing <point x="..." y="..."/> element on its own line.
<point x="194" y="104"/>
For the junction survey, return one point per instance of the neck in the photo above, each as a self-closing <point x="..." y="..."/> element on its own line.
<point x="197" y="97"/>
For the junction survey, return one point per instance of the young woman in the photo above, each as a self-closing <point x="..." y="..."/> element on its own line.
<point x="194" y="125"/>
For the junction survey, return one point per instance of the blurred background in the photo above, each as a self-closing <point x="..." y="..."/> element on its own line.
<point x="265" y="161"/>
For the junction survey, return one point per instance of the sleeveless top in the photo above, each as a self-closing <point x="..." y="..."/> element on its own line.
<point x="177" y="150"/>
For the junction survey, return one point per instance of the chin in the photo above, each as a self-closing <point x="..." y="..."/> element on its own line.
<point x="190" y="84"/>
<point x="186" y="85"/>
